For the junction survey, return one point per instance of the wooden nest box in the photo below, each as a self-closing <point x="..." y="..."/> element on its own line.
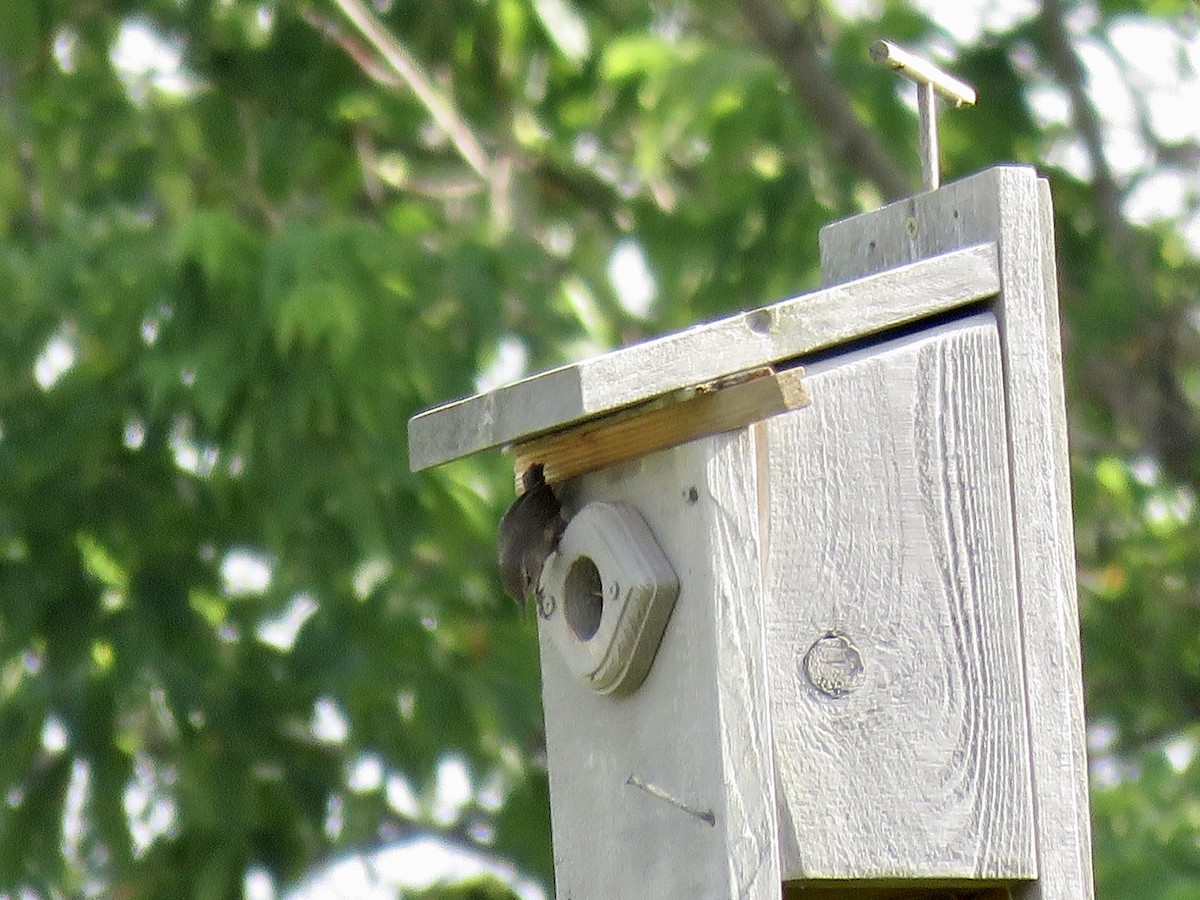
<point x="813" y="620"/>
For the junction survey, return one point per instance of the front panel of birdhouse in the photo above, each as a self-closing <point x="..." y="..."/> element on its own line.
<point x="655" y="785"/>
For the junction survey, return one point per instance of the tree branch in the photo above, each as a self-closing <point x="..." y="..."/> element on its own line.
<point x="794" y="47"/>
<point x="355" y="49"/>
<point x="1144" y="390"/>
<point x="409" y="71"/>
<point x="1070" y="73"/>
<point x="26" y="162"/>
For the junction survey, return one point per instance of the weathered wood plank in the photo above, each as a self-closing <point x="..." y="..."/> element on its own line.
<point x="619" y="436"/>
<point x="1012" y="206"/>
<point x="865" y="891"/>
<point x="765" y="336"/>
<point x="893" y="633"/>
<point x="669" y="792"/>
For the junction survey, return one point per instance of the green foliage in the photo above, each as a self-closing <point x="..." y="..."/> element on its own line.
<point x="1146" y="815"/>
<point x="225" y="287"/>
<point x="489" y="888"/>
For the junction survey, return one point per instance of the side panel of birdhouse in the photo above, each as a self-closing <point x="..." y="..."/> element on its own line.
<point x="893" y="635"/>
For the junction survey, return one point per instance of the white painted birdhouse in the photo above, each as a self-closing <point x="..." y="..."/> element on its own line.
<point x="813" y="620"/>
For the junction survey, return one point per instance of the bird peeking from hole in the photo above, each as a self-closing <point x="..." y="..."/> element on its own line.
<point x="529" y="533"/>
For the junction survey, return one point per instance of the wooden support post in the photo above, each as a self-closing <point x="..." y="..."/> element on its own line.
<point x="1011" y="206"/>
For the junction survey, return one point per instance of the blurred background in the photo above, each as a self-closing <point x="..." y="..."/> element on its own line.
<point x="243" y="651"/>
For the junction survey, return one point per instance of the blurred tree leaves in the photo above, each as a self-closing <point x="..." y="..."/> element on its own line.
<point x="236" y="253"/>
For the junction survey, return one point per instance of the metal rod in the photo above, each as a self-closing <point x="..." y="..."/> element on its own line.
<point x="930" y="81"/>
<point x="931" y="170"/>
<point x="922" y="71"/>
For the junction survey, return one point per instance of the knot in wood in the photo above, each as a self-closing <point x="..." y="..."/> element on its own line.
<point x="833" y="665"/>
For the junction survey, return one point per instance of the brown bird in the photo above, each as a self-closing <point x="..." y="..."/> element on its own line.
<point x="529" y="533"/>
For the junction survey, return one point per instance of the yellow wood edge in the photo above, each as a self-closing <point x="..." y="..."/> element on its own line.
<point x="704" y="410"/>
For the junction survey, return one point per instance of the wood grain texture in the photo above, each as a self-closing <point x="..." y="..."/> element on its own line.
<point x="635" y="374"/>
<point x="599" y="443"/>
<point x="1011" y="205"/>
<point x="891" y="554"/>
<point x="669" y="792"/>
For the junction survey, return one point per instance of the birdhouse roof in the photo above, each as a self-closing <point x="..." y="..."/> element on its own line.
<point x="565" y="396"/>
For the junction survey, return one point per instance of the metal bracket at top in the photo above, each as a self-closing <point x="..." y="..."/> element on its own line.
<point x="930" y="80"/>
